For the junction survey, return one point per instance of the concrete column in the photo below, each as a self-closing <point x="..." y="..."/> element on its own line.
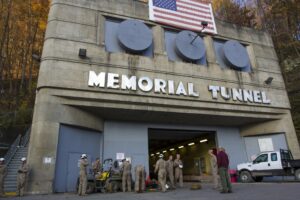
<point x="159" y="44"/>
<point x="210" y="50"/>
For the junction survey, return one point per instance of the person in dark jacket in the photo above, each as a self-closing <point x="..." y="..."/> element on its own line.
<point x="223" y="164"/>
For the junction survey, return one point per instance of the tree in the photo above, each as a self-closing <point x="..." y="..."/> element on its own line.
<point x="234" y="12"/>
<point x="22" y="29"/>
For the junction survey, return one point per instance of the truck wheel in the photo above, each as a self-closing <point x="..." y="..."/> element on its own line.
<point x="297" y="174"/>
<point x="258" y="178"/>
<point x="246" y="177"/>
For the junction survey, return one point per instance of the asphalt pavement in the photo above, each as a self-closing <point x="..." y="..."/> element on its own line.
<point x="253" y="191"/>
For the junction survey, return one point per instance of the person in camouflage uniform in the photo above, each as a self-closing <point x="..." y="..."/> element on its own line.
<point x="160" y="167"/>
<point x="83" y="175"/>
<point x="22" y="177"/>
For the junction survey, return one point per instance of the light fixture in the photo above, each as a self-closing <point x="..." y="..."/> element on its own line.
<point x="191" y="144"/>
<point x="82" y="53"/>
<point x="164" y="151"/>
<point x="269" y="80"/>
<point x="172" y="149"/>
<point x="204" y="24"/>
<point x="180" y="147"/>
<point x="157" y="153"/>
<point x="202" y="141"/>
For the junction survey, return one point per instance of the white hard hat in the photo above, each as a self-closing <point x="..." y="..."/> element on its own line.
<point x="23" y="159"/>
<point x="83" y="156"/>
<point x="2" y="159"/>
<point x="161" y="155"/>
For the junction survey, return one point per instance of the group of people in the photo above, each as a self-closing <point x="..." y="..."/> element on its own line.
<point x="21" y="177"/>
<point x="165" y="170"/>
<point x="219" y="162"/>
<point x="170" y="170"/>
<point x="125" y="171"/>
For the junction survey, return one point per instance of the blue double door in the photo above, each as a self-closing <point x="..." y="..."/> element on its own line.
<point x="73" y="142"/>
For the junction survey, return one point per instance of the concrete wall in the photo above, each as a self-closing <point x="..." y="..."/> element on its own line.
<point x="132" y="139"/>
<point x="128" y="138"/>
<point x="64" y="96"/>
<point x="233" y="142"/>
<point x="283" y="125"/>
<point x="252" y="145"/>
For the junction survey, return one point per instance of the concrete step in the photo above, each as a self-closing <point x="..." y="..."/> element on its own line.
<point x="10" y="185"/>
<point x="10" y="178"/>
<point x="13" y="165"/>
<point x="9" y="189"/>
<point x="13" y="189"/>
<point x="18" y="157"/>
<point x="18" y="160"/>
<point x="10" y="181"/>
<point x="21" y="154"/>
<point x="12" y="170"/>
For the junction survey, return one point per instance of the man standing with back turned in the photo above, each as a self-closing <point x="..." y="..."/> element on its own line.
<point x="223" y="163"/>
<point x="170" y="171"/>
<point x="126" y="176"/>
<point x="160" y="167"/>
<point x="83" y="175"/>
<point x="178" y="170"/>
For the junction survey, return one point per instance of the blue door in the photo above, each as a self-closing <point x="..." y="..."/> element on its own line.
<point x="72" y="143"/>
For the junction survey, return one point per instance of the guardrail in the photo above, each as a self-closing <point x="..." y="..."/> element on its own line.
<point x="25" y="138"/>
<point x="12" y="150"/>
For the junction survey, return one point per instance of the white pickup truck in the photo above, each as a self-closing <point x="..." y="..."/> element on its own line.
<point x="273" y="163"/>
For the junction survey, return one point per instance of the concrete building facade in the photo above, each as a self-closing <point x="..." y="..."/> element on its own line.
<point x="91" y="105"/>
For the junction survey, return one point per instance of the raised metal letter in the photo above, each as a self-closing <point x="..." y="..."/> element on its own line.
<point x="97" y="80"/>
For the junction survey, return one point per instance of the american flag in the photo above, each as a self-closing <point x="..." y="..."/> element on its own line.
<point x="184" y="14"/>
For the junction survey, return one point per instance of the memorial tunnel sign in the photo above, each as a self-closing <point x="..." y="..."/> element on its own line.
<point x="170" y="87"/>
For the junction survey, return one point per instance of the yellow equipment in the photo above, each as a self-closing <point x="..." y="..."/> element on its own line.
<point x="109" y="180"/>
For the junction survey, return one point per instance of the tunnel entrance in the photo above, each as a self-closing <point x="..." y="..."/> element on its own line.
<point x="192" y="145"/>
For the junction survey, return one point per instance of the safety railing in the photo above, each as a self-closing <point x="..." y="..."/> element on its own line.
<point x="25" y="138"/>
<point x="12" y="150"/>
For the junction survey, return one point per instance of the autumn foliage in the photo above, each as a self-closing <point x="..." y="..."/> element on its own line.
<point x="22" y="29"/>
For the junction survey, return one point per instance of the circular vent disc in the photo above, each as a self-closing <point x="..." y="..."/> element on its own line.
<point x="235" y="54"/>
<point x="134" y="36"/>
<point x="188" y="50"/>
